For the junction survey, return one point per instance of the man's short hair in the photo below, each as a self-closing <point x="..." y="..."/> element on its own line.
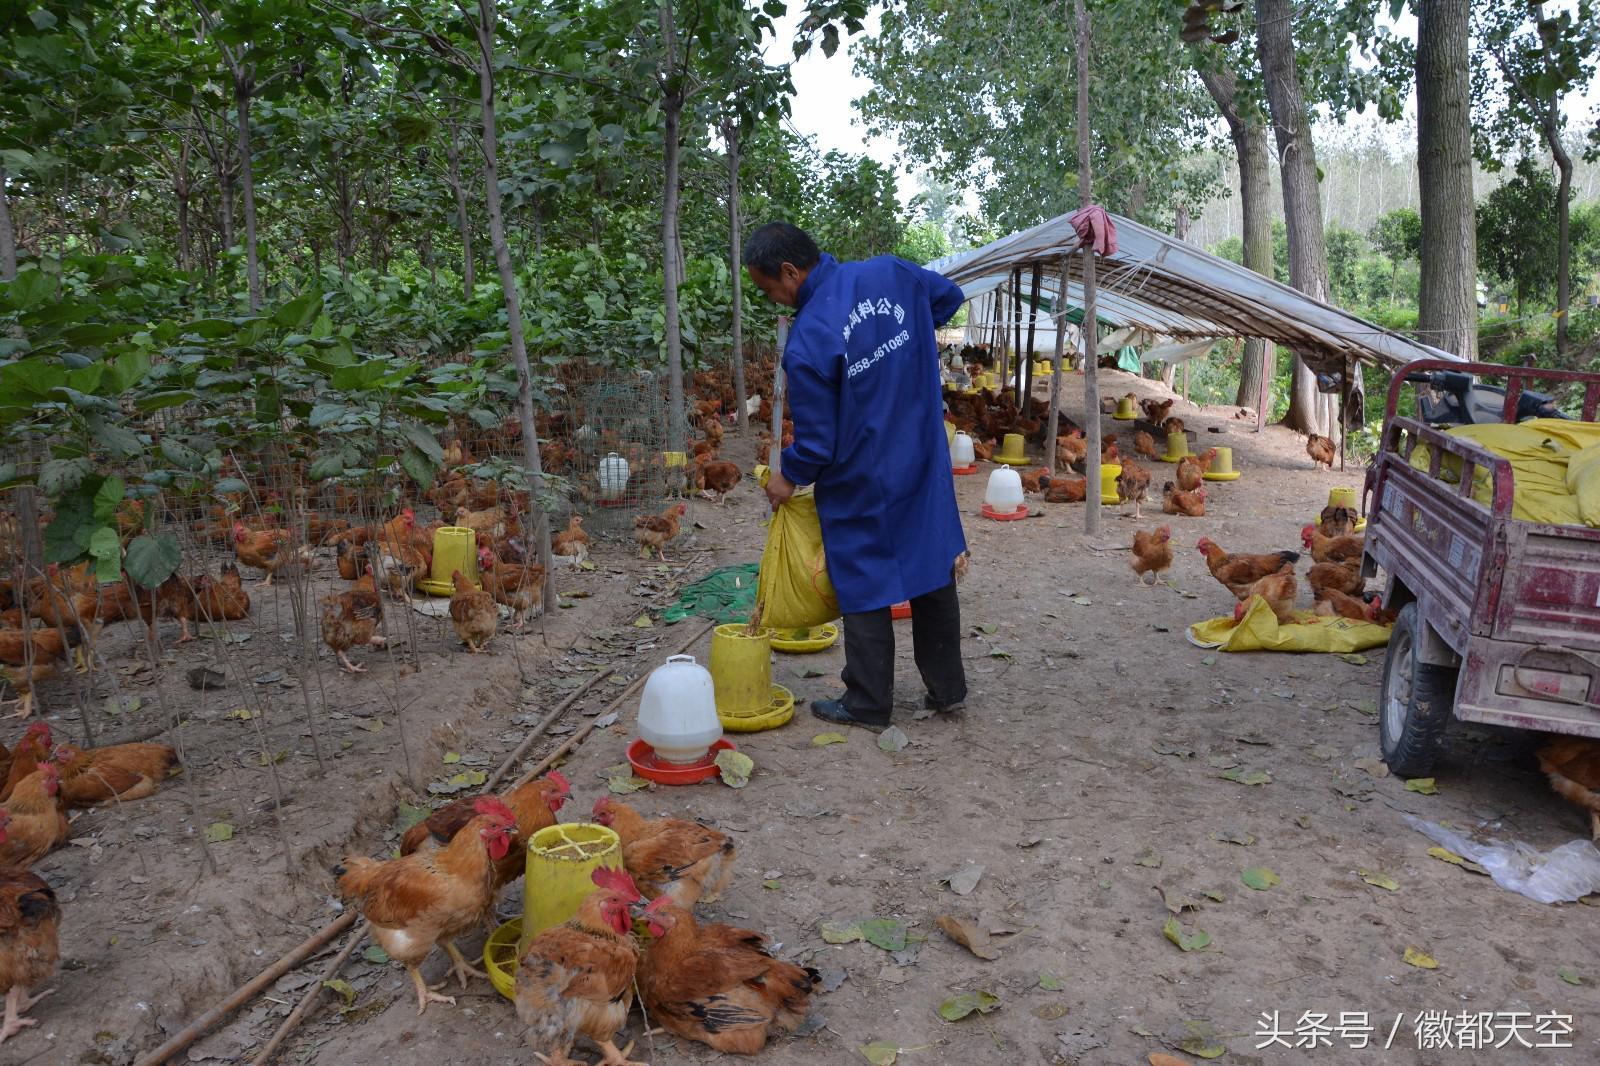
<point x="778" y="243"/>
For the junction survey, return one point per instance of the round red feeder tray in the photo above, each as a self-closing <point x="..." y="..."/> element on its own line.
<point x="643" y="759"/>
<point x="900" y="610"/>
<point x="998" y="516"/>
<point x="973" y="469"/>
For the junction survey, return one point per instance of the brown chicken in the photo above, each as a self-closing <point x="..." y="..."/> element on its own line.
<point x="119" y="772"/>
<point x="1175" y="501"/>
<point x="31" y="750"/>
<point x="1071" y="449"/>
<point x="491" y="526"/>
<point x="1237" y="572"/>
<point x="1337" y="521"/>
<point x="1145" y="445"/>
<point x="30" y="926"/>
<point x="715" y="478"/>
<point x="1108" y="451"/>
<point x="578" y="978"/>
<point x="1573" y="765"/>
<point x="208" y="600"/>
<point x="350" y="560"/>
<point x="1332" y="602"/>
<point x="1277" y="589"/>
<point x="267" y="550"/>
<point x="669" y="856"/>
<point x="1190" y="475"/>
<point x="1033" y="481"/>
<point x="28" y="656"/>
<point x="520" y="586"/>
<point x="1335" y="576"/>
<point x="1067" y="489"/>
<point x="1322" y="450"/>
<point x="657" y="531"/>
<point x="37" y="822"/>
<point x="533" y="804"/>
<point x="1133" y="483"/>
<point x="1345" y="549"/>
<point x="1152" y="553"/>
<point x="350" y="620"/>
<point x="716" y="984"/>
<point x="401" y="566"/>
<point x="473" y="611"/>
<point x="573" y="542"/>
<point x="1156" y="410"/>
<point x="432" y="896"/>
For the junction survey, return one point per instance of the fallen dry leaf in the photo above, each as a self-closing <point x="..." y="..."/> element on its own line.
<point x="968" y="935"/>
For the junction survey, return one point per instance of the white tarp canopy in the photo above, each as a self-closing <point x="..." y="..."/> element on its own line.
<point x="1170" y="287"/>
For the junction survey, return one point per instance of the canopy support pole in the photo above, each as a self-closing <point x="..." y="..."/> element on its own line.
<point x="1025" y="364"/>
<point x="1091" y="359"/>
<point x="1053" y="421"/>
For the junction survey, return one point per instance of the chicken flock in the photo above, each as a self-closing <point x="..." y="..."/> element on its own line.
<point x="711" y="983"/>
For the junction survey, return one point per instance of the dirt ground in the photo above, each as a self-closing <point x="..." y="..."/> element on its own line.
<point x="1084" y="777"/>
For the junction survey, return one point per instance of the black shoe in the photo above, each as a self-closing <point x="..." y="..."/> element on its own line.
<point x="944" y="708"/>
<point x="834" y="711"/>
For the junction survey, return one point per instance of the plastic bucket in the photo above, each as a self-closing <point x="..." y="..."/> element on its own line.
<point x="741" y="668"/>
<point x="561" y="859"/>
<point x="454" y="548"/>
<point x="1108" y="483"/>
<point x="1345" y="497"/>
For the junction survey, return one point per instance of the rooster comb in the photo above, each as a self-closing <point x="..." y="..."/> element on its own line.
<point x="494" y="807"/>
<point x="559" y="779"/>
<point x="615" y="881"/>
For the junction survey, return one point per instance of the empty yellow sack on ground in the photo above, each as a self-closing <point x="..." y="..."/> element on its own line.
<point x="793" y="587"/>
<point x="1260" y="630"/>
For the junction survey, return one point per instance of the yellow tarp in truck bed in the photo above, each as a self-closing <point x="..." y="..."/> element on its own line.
<point x="1555" y="464"/>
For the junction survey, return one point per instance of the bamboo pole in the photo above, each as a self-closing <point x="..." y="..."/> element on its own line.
<point x="1091" y="358"/>
<point x="292" y="1022"/>
<point x="1053" y="424"/>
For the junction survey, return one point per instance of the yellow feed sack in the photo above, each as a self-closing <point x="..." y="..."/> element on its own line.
<point x="1260" y="630"/>
<point x="1541" y="452"/>
<point x="793" y="588"/>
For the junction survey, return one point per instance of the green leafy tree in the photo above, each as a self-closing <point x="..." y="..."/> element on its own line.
<point x="1513" y="232"/>
<point x="1344" y="246"/>
<point x="1398" y="236"/>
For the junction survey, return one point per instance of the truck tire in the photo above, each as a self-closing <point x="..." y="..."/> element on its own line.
<point x="1416" y="703"/>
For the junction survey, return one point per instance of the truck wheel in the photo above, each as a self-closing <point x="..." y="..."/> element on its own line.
<point x="1417" y="701"/>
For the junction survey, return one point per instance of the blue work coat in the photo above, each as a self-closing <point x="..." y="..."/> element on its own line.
<point x="864" y="393"/>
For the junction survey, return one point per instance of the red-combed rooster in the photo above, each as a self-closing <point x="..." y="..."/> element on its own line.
<point x="30" y="925"/>
<point x="37" y="824"/>
<point x="534" y="805"/>
<point x="429" y="898"/>
<point x="669" y="856"/>
<point x="577" y="978"/>
<point x="717" y="984"/>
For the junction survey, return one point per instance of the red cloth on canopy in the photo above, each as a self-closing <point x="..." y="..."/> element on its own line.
<point x="1095" y="228"/>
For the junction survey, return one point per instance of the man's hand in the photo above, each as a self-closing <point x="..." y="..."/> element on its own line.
<point x="779" y="489"/>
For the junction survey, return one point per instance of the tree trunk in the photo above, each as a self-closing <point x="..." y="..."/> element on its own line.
<point x="508" y="284"/>
<point x="1255" y="195"/>
<point x="243" y="86"/>
<point x="1091" y="358"/>
<point x="671" y="112"/>
<point x="1302" y="206"/>
<point x="463" y="220"/>
<point x="181" y="192"/>
<point x="8" y="236"/>
<point x="225" y="202"/>
<point x="730" y="130"/>
<point x="1447" y="304"/>
<point x="1563" y="243"/>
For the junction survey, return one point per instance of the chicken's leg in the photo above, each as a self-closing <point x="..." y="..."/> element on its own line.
<point x="459" y="965"/>
<point x="348" y="666"/>
<point x="426" y="995"/>
<point x="1594" y="825"/>
<point x="17" y="1001"/>
<point x="560" y="1058"/>
<point x="612" y="1057"/>
<point x="24" y="702"/>
<point x="184" y="636"/>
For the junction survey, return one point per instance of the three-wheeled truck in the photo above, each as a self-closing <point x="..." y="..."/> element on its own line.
<point x="1499" y="618"/>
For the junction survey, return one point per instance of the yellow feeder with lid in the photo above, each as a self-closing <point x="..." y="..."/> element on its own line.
<point x="561" y="860"/>
<point x="1177" y="447"/>
<point x="1345" y="497"/>
<point x="1109" y="473"/>
<point x="454" y="548"/>
<point x="1011" y="451"/>
<point x="1222" y="466"/>
<point x="1125" y="411"/>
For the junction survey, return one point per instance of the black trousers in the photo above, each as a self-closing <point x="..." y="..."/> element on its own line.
<point x="869" y="655"/>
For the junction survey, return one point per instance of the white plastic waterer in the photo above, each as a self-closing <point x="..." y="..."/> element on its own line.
<point x="613" y="476"/>
<point x="1003" y="494"/>
<point x="678" y="711"/>
<point x="961" y="453"/>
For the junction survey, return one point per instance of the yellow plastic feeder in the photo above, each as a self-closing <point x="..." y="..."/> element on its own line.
<point x="454" y="548"/>
<point x="1177" y="447"/>
<point x="1108" y="483"/>
<point x="1222" y="467"/>
<point x="1125" y="411"/>
<point x="949" y="434"/>
<point x="561" y="859"/>
<point x="741" y="668"/>
<point x="991" y="382"/>
<point x="1011" y="451"/>
<point x="1345" y="497"/>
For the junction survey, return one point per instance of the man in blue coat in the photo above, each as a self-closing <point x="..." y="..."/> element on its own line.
<point x="864" y="393"/>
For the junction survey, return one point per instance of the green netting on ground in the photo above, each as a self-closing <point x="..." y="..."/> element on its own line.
<point x="725" y="595"/>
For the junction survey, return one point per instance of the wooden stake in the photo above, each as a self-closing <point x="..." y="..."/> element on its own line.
<point x="1091" y="357"/>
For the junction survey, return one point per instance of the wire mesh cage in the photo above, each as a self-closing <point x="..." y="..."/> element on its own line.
<point x="617" y="464"/>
